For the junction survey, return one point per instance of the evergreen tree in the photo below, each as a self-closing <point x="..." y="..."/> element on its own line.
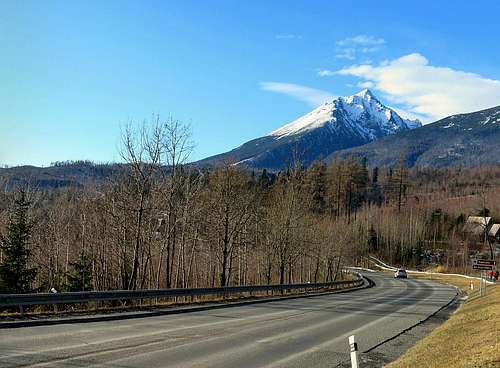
<point x="316" y="183"/>
<point x="418" y="254"/>
<point x="356" y="184"/>
<point x="80" y="277"/>
<point x="264" y="180"/>
<point x="375" y="195"/>
<point x="396" y="184"/>
<point x="372" y="239"/>
<point x="375" y="175"/>
<point x="402" y="182"/>
<point x="16" y="275"/>
<point x="483" y="212"/>
<point x="335" y="186"/>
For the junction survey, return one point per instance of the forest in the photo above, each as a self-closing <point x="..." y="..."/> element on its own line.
<point x="161" y="222"/>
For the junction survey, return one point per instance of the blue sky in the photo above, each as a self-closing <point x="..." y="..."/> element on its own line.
<point x="72" y="73"/>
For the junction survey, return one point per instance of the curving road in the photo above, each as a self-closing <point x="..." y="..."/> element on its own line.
<point x="301" y="332"/>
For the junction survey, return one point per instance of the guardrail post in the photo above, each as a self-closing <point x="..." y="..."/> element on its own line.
<point x="353" y="345"/>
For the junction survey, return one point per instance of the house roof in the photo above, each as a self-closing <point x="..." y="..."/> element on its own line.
<point x="479" y="220"/>
<point x="495" y="230"/>
<point x="477" y="224"/>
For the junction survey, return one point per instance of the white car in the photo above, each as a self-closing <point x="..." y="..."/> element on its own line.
<point x="401" y="274"/>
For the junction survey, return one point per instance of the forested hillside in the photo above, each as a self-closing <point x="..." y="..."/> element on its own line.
<point x="146" y="227"/>
<point x="58" y="174"/>
<point x="459" y="140"/>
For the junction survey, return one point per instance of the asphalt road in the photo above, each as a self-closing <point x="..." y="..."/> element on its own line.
<point x="301" y="332"/>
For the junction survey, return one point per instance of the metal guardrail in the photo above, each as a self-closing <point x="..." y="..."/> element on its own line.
<point x="21" y="300"/>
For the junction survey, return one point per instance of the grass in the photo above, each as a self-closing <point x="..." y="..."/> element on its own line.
<point x="470" y="337"/>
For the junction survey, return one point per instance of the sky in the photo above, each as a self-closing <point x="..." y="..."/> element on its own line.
<point x="73" y="74"/>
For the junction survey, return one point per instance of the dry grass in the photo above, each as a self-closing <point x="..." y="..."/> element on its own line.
<point x="439" y="269"/>
<point x="470" y="338"/>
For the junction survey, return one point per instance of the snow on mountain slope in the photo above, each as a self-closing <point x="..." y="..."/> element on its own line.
<point x="362" y="112"/>
<point x="339" y="124"/>
<point x="315" y="119"/>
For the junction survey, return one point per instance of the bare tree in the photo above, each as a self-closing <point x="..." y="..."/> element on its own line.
<point x="177" y="191"/>
<point x="228" y="203"/>
<point x="287" y="215"/>
<point x="142" y="150"/>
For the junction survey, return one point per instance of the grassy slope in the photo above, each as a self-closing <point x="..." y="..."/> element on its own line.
<point x="470" y="338"/>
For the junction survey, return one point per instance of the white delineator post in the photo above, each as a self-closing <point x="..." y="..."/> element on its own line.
<point x="353" y="345"/>
<point x="483" y="280"/>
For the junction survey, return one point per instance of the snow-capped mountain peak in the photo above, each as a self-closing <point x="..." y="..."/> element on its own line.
<point x="341" y="123"/>
<point x="365" y="94"/>
<point x="361" y="113"/>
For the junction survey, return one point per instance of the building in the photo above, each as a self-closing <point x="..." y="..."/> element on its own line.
<point x="477" y="225"/>
<point x="494" y="233"/>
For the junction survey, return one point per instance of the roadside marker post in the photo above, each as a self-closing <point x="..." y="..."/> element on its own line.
<point x="482" y="284"/>
<point x="483" y="265"/>
<point x="483" y="280"/>
<point x="353" y="345"/>
<point x="482" y="290"/>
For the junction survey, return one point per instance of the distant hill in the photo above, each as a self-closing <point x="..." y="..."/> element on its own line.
<point x="78" y="173"/>
<point x="466" y="139"/>
<point x="341" y="123"/>
<point x="334" y="128"/>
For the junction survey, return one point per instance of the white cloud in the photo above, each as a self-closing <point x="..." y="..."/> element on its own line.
<point x="313" y="97"/>
<point x="366" y="50"/>
<point x="325" y="73"/>
<point x="349" y="47"/>
<point x="362" y="40"/>
<point x="367" y="84"/>
<point x="287" y="36"/>
<point x="429" y="91"/>
<point x="348" y="53"/>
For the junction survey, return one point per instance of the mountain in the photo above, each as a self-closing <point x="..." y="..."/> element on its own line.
<point x="338" y="124"/>
<point x="466" y="139"/>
